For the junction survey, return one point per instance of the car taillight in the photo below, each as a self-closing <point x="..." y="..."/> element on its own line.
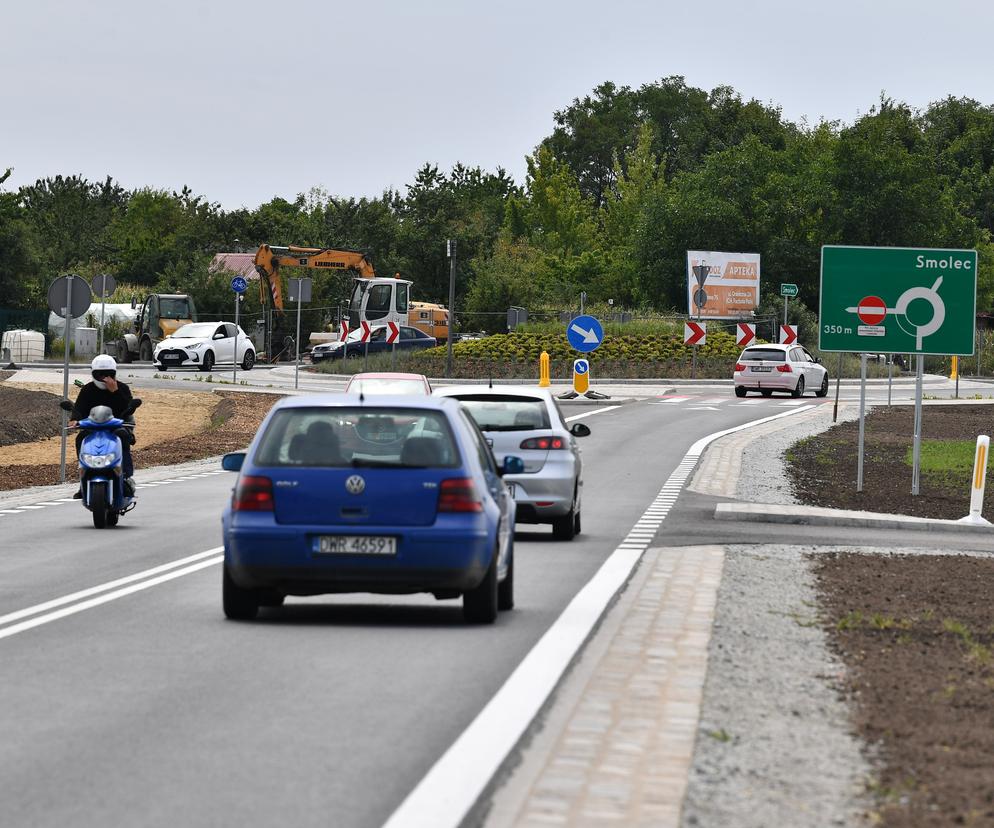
<point x="253" y="494"/>
<point x="458" y="494"/>
<point x="785" y="369"/>
<point x="739" y="366"/>
<point x="543" y="443"/>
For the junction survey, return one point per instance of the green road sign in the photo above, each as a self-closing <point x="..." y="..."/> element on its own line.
<point x="897" y="300"/>
<point x="788" y="289"/>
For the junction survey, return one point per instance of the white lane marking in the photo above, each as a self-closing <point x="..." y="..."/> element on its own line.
<point x="32" y="506"/>
<point x="52" y="502"/>
<point x="452" y="786"/>
<point x="109" y="585"/>
<point x="14" y="629"/>
<point x="591" y="413"/>
<point x="67" y="500"/>
<point x="10" y="511"/>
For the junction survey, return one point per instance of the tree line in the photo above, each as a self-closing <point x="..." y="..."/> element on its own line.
<point x="626" y="183"/>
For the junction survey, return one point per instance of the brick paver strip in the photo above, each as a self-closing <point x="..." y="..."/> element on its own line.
<point x="624" y="755"/>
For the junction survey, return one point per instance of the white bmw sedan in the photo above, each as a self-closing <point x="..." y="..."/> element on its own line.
<point x="769" y="368"/>
<point x="203" y="345"/>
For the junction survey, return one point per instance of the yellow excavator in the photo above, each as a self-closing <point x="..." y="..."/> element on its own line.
<point x="375" y="299"/>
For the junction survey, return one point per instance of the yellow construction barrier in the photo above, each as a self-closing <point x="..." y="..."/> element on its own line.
<point x="543" y="371"/>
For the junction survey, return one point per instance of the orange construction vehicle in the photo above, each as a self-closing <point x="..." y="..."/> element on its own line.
<point x="375" y="299"/>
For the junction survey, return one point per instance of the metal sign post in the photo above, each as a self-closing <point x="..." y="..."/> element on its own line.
<point x="700" y="299"/>
<point x="838" y="379"/>
<point x="450" y="250"/>
<point x="238" y="285"/>
<point x="917" y="450"/>
<point x="862" y="419"/>
<point x="301" y="289"/>
<point x="65" y="377"/>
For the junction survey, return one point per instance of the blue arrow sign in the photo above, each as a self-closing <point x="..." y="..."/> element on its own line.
<point x="238" y="284"/>
<point x="581" y="366"/>
<point x="585" y="334"/>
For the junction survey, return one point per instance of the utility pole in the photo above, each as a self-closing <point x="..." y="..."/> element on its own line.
<point x="451" y="251"/>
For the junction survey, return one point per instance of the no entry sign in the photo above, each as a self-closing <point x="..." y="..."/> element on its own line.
<point x="871" y="310"/>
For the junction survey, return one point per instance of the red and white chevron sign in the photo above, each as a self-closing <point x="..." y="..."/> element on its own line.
<point x="788" y="334"/>
<point x="345" y="330"/>
<point x="694" y="333"/>
<point x="393" y="331"/>
<point x="365" y="332"/>
<point x="745" y="333"/>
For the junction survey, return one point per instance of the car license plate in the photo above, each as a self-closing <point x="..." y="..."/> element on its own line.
<point x="512" y="489"/>
<point x="761" y="368"/>
<point x="170" y="357"/>
<point x="354" y="545"/>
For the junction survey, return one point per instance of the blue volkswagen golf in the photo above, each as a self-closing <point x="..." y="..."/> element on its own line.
<point x="394" y="495"/>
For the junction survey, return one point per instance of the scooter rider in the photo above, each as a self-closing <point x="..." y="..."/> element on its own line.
<point x="104" y="389"/>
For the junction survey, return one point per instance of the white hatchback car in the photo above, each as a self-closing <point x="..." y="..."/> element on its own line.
<point x="202" y="345"/>
<point x="527" y="423"/>
<point x="769" y="368"/>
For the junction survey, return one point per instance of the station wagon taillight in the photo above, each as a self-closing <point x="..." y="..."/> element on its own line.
<point x="785" y="368"/>
<point x="253" y="494"/>
<point x="739" y="366"/>
<point x="458" y="494"/>
<point x="543" y="443"/>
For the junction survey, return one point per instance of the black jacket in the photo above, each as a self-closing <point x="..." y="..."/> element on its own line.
<point x="90" y="396"/>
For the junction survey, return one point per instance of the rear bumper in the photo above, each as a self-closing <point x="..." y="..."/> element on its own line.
<point x="773" y="381"/>
<point x="542" y="497"/>
<point x="428" y="559"/>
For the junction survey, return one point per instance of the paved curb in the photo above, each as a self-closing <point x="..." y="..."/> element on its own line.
<point x="820" y="516"/>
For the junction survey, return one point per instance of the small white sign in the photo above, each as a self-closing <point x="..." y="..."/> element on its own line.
<point x="871" y="330"/>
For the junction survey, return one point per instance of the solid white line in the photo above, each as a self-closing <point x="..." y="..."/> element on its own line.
<point x="444" y="797"/>
<point x="51" y="502"/>
<point x="14" y="629"/>
<point x="591" y="413"/>
<point x="10" y="511"/>
<point x="33" y="506"/>
<point x="86" y="593"/>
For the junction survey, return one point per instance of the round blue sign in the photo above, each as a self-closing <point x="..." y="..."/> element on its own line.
<point x="581" y="366"/>
<point x="585" y="334"/>
<point x="238" y="284"/>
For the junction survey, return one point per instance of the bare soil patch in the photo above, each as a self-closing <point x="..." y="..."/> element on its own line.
<point x="916" y="634"/>
<point x="822" y="469"/>
<point x="172" y="427"/>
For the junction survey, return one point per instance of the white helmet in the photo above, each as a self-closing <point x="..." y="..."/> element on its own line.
<point x="102" y="366"/>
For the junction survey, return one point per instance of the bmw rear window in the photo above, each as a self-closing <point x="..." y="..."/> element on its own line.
<point x="363" y="437"/>
<point x="770" y="354"/>
<point x="497" y="412"/>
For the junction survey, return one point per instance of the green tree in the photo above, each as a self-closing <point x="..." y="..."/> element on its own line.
<point x="19" y="263"/>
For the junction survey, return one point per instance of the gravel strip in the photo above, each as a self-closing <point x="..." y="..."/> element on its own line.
<point x="773" y="744"/>
<point x="764" y="479"/>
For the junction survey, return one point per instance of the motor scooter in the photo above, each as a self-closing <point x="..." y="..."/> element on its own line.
<point x="100" y="463"/>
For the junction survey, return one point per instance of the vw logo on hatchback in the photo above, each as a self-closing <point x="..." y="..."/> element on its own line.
<point x="355" y="485"/>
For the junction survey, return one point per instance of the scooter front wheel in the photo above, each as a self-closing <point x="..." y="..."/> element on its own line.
<point x="99" y="503"/>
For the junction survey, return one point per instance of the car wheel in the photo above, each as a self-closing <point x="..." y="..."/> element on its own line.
<point x="767" y="392"/>
<point x="479" y="605"/>
<point x="564" y="528"/>
<point x="740" y="391"/>
<point x="505" y="589"/>
<point x="823" y="391"/>
<point x="158" y="367"/>
<point x="208" y="362"/>
<point x="123" y="352"/>
<point x="248" y="360"/>
<point x="239" y="604"/>
<point x="145" y="351"/>
<point x="799" y="388"/>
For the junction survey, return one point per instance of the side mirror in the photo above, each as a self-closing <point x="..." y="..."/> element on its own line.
<point x="233" y="462"/>
<point x="65" y="405"/>
<point x="219" y="335"/>
<point x="513" y="465"/>
<point x="580" y="430"/>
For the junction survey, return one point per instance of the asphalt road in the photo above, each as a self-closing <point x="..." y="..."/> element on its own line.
<point x="147" y="707"/>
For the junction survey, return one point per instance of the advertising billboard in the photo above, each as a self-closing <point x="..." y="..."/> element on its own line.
<point x="730" y="287"/>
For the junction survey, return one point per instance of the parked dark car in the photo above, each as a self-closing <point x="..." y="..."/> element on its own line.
<point x="352" y="348"/>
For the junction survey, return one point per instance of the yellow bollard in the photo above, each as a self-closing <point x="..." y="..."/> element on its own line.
<point x="955" y="368"/>
<point x="543" y="371"/>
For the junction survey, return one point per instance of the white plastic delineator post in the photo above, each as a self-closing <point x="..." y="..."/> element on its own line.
<point x="978" y="482"/>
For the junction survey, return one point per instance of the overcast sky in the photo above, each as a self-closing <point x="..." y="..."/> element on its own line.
<point x="243" y="101"/>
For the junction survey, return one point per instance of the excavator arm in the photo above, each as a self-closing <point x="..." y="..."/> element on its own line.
<point x="269" y="260"/>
